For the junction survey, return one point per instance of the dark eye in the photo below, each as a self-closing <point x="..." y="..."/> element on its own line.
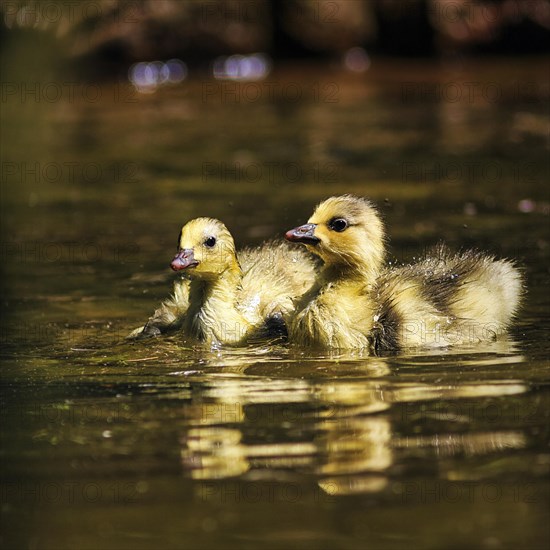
<point x="338" y="224"/>
<point x="210" y="242"/>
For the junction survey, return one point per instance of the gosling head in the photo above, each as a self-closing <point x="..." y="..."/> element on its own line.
<point x="347" y="233"/>
<point x="206" y="249"/>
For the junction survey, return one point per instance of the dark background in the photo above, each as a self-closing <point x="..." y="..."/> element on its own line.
<point x="103" y="38"/>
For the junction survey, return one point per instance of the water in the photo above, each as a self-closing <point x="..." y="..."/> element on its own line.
<point x="157" y="443"/>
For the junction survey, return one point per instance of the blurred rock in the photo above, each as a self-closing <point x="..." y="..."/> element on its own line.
<point x="106" y="36"/>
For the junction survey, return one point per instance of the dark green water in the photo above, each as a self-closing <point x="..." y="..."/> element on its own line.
<point x="108" y="444"/>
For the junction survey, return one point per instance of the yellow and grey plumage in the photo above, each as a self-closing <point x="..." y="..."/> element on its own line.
<point x="443" y="299"/>
<point x="228" y="297"/>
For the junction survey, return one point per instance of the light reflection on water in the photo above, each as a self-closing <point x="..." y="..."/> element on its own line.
<point x="350" y="420"/>
<point x="271" y="428"/>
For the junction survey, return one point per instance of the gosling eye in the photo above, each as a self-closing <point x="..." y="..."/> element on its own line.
<point x="338" y="224"/>
<point x="210" y="242"/>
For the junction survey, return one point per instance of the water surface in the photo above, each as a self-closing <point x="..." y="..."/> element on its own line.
<point x="160" y="443"/>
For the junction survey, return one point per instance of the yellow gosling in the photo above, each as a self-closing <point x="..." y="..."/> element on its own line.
<point x="357" y="302"/>
<point x="230" y="298"/>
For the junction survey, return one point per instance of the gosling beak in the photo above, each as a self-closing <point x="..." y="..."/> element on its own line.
<point x="184" y="259"/>
<point x="303" y="234"/>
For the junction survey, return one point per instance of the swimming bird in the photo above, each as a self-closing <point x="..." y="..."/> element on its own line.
<point x="227" y="297"/>
<point x="357" y="301"/>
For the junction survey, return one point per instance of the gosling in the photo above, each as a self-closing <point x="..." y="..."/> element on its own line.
<point x="357" y="302"/>
<point x="230" y="298"/>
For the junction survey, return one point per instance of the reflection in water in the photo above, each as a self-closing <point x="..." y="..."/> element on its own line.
<point x="339" y="430"/>
<point x="420" y="392"/>
<point x="355" y="446"/>
<point x="470" y="444"/>
<point x="343" y="432"/>
<point x="212" y="453"/>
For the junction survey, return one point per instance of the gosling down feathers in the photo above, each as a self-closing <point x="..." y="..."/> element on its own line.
<point x="230" y="298"/>
<point x="356" y="302"/>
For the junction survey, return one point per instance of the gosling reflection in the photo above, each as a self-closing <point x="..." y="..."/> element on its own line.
<point x="357" y="452"/>
<point x="214" y="452"/>
<point x="469" y="444"/>
<point x="329" y="428"/>
<point x="347" y="433"/>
